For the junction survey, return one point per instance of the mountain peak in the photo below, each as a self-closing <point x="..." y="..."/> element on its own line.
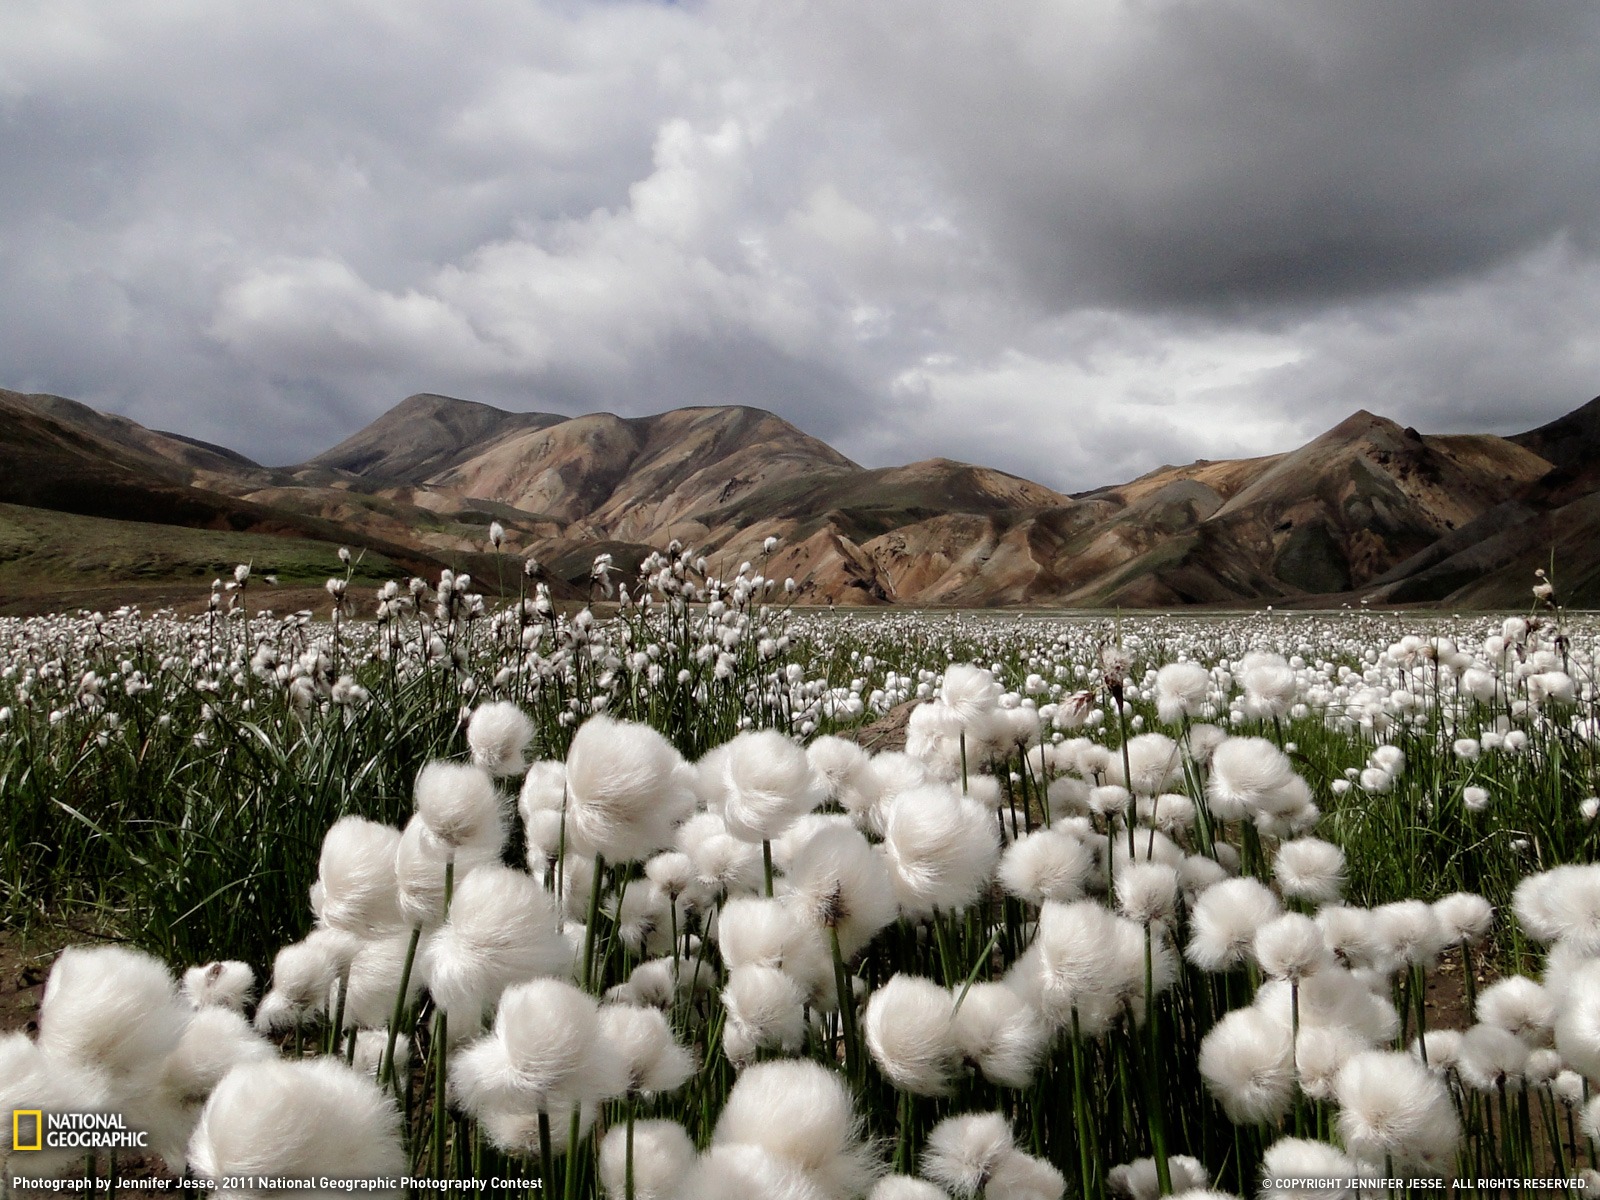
<point x="422" y="435"/>
<point x="1360" y="423"/>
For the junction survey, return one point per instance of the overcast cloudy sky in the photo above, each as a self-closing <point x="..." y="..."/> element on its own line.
<point x="1071" y="238"/>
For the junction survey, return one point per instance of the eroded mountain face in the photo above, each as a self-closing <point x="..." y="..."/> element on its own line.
<point x="1368" y="509"/>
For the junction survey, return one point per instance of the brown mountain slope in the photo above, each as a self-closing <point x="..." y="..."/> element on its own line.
<point x="423" y="435"/>
<point x="1553" y="523"/>
<point x="1368" y="509"/>
<point x="636" y="478"/>
<point x="47" y="463"/>
<point x="168" y="454"/>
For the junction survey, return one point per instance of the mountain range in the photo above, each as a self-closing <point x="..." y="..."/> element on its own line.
<point x="1369" y="512"/>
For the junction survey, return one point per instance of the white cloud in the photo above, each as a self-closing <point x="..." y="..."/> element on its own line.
<point x="1070" y="241"/>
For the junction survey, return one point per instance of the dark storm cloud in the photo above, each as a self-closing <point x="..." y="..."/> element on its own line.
<point x="1243" y="151"/>
<point x="1069" y="240"/>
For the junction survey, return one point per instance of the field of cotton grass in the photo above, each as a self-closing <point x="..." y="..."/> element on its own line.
<point x="687" y="895"/>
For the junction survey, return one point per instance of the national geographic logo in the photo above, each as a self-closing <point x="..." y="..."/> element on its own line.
<point x="34" y="1129"/>
<point x="27" y="1129"/>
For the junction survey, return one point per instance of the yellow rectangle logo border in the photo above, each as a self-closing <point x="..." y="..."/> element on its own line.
<point x="16" y="1128"/>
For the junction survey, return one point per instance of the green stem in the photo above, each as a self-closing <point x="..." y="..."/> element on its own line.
<point x="386" y="1068"/>
<point x="547" y="1156"/>
<point x="440" y="1036"/>
<point x="847" y="1008"/>
<point x="589" y="931"/>
<point x="628" y="1183"/>
<point x="1080" y="1112"/>
<point x="573" y="1128"/>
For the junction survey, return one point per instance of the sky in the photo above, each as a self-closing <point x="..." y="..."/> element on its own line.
<point x="1072" y="239"/>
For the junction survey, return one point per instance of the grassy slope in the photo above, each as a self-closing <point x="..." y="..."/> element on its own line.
<point x="53" y="560"/>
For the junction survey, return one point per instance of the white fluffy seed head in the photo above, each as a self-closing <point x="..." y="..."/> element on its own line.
<point x="1170" y="812"/>
<point x="516" y="1131"/>
<point x="1109" y="800"/>
<point x="1196" y="873"/>
<point x="1466" y="917"/>
<point x="1394" y="1110"/>
<point x="1247" y="1063"/>
<point x="741" y="1171"/>
<point x="1409" y="932"/>
<point x="1077" y="951"/>
<point x="758" y="931"/>
<point x="373" y="1044"/>
<point x="1248" y="776"/>
<point x="1569" y="1087"/>
<point x="542" y="803"/>
<point x="1562" y="905"/>
<point x="725" y="865"/>
<point x="653" y="1060"/>
<point x="359" y="893"/>
<point x="840" y="882"/>
<point x="544" y="1049"/>
<point x="661" y="980"/>
<point x="663" y="1156"/>
<point x="1001" y="1034"/>
<point x="1154" y="762"/>
<point x="1332" y="998"/>
<point x="374" y="978"/>
<point x="1442" y="1047"/>
<point x="1269" y="684"/>
<point x="306" y="1119"/>
<point x="420" y="860"/>
<point x="111" y="1010"/>
<point x="985" y="789"/>
<point x="1310" y="869"/>
<point x="1518" y="1005"/>
<point x="1491" y="1057"/>
<point x="904" y="1187"/>
<point x="501" y="930"/>
<point x="1067" y="797"/>
<point x="219" y="984"/>
<point x="1290" y="1164"/>
<point x="845" y="769"/>
<point x="765" y="1009"/>
<point x="1577" y="1025"/>
<point x="801" y="1112"/>
<point x="908" y="1031"/>
<point x="933" y="738"/>
<point x="1224" y="923"/>
<point x="1047" y="864"/>
<point x="672" y="872"/>
<point x="627" y="789"/>
<point x="1290" y="947"/>
<point x="215" y="1041"/>
<point x="1138" y="1180"/>
<point x="971" y="693"/>
<point x="1147" y="893"/>
<point x="962" y="1152"/>
<point x="497" y="734"/>
<point x="768" y="784"/>
<point x="458" y="804"/>
<point x="941" y="849"/>
<point x="888" y="774"/>
<point x="302" y="976"/>
<point x="1321" y="1052"/>
<point x="1181" y="691"/>
<point x="31" y="1079"/>
<point x="755" y="931"/>
<point x="1019" y="1176"/>
<point x="1350" y="932"/>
